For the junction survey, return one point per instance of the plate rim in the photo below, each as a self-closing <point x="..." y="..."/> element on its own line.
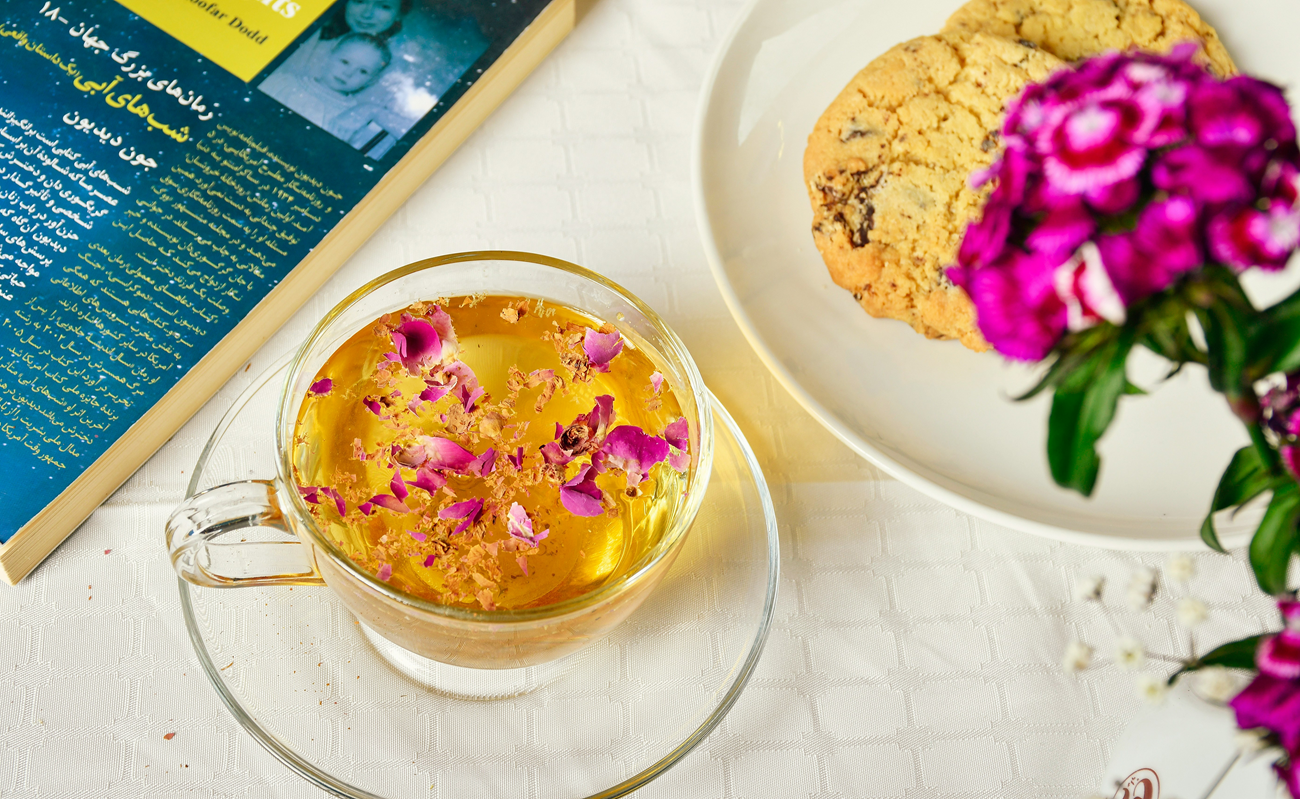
<point x="819" y="412"/>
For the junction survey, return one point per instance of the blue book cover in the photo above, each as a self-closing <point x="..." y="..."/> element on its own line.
<point x="164" y="165"/>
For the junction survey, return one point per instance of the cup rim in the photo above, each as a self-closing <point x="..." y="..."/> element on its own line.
<point x="696" y="486"/>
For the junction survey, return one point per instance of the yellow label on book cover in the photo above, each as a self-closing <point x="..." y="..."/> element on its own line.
<point x="240" y="36"/>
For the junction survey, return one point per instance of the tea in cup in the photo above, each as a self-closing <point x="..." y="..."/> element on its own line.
<point x="491" y="458"/>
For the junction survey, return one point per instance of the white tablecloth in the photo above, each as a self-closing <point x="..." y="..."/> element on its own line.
<point x="915" y="652"/>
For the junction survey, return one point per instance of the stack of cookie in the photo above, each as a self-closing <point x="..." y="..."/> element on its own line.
<point x="888" y="165"/>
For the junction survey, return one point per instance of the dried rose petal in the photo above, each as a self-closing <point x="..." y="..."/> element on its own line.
<point x="521" y="527"/>
<point x="554" y="455"/>
<point x="581" y="496"/>
<point x="441" y="322"/>
<point x="522" y="560"/>
<point x="435" y="452"/>
<point x="418" y="536"/>
<point x="366" y="508"/>
<point x="635" y="452"/>
<point x="601" y="348"/>
<point x="398" y="485"/>
<point x="467" y="389"/>
<point x="309" y="494"/>
<point x="385" y="572"/>
<point x="656" y="381"/>
<point x="428" y="480"/>
<point x="338" y="500"/>
<point x="429" y="561"/>
<point x="417" y="343"/>
<point x="678" y="434"/>
<point x="680" y="460"/>
<point x="483" y="464"/>
<point x="468" y="511"/>
<point x="373" y="405"/>
<point x="390" y="502"/>
<point x="518" y="459"/>
<point x="322" y="386"/>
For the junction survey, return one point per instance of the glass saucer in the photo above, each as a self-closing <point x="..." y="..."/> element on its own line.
<point x="298" y="672"/>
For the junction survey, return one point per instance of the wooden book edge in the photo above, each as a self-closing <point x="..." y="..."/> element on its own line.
<point x="36" y="539"/>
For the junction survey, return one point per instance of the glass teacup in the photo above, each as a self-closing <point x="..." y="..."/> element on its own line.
<point x="261" y="532"/>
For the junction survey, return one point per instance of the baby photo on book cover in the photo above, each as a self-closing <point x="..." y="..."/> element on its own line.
<point x="373" y="68"/>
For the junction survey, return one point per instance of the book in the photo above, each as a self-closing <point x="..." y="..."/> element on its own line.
<point x="177" y="177"/>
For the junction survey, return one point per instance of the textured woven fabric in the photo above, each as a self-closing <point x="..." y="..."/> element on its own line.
<point x="915" y="652"/>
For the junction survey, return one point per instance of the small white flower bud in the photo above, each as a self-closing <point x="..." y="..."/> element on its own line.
<point x="1089" y="589"/>
<point x="1129" y="653"/>
<point x="1151" y="689"/>
<point x="1215" y="684"/>
<point x="1180" y="568"/>
<point x="1191" y="611"/>
<point x="1078" y="656"/>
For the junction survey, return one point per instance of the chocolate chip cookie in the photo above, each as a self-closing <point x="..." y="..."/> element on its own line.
<point x="1075" y="29"/>
<point x="888" y="170"/>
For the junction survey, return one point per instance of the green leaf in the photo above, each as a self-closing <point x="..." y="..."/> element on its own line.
<point x="1276" y="344"/>
<point x="1245" y="478"/>
<point x="1082" y="408"/>
<point x="1232" y="655"/>
<point x="1227" y="330"/>
<point x="1275" y="540"/>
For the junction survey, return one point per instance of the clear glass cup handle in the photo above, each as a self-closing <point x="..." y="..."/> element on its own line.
<point x="212" y="542"/>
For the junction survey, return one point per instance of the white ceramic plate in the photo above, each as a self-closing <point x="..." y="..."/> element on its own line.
<point x="933" y="414"/>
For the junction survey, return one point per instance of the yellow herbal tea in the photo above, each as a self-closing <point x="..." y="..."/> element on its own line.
<point x="492" y="452"/>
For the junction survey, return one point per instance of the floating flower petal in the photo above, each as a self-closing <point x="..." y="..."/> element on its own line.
<point x="656" y="381"/>
<point x="428" y="480"/>
<point x="520" y="526"/>
<point x="601" y="348"/>
<point x="398" y="485"/>
<point x="390" y="502"/>
<point x="385" y="572"/>
<point x="483" y="464"/>
<point x="322" y="386"/>
<point x="417" y="343"/>
<point x="581" y="496"/>
<point x="468" y="511"/>
<point x="635" y="452"/>
<point x="678" y="434"/>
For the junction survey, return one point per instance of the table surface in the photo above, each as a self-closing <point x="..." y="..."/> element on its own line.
<point x="915" y="650"/>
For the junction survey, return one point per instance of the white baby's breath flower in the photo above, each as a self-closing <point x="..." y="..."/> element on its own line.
<point x="1089" y="589"/>
<point x="1214" y="684"/>
<point x="1141" y="589"/>
<point x="1180" y="568"/>
<point x="1251" y="741"/>
<point x="1129" y="653"/>
<point x="1191" y="611"/>
<point x="1151" y="689"/>
<point x="1078" y="656"/>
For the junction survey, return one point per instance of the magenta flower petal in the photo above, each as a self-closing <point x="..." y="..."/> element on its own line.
<point x="1085" y="287"/>
<point x="366" y="508"/>
<point x="1291" y="459"/>
<point x="680" y="460"/>
<point x="581" y="496"/>
<point x="468" y="512"/>
<point x="1017" y="306"/>
<point x="428" y="480"/>
<point x="418" y="536"/>
<point x="385" y="572"/>
<point x="373" y="405"/>
<point x="632" y="450"/>
<point x="339" y="503"/>
<point x="1061" y="231"/>
<point x="1250" y="237"/>
<point x="398" y="486"/>
<point x="441" y="322"/>
<point x="483" y="464"/>
<point x="601" y="348"/>
<point x="1279" y="656"/>
<point x="467" y="388"/>
<point x="1203" y="175"/>
<point x="521" y="527"/>
<point x="517" y="459"/>
<point x="656" y="381"/>
<point x="429" y="561"/>
<point x="309" y="494"/>
<point x="390" y="502"/>
<point x="322" y="386"/>
<point x="1272" y="703"/>
<point x="417" y="343"/>
<point x="440" y="453"/>
<point x="554" y="455"/>
<point x="678" y="434"/>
